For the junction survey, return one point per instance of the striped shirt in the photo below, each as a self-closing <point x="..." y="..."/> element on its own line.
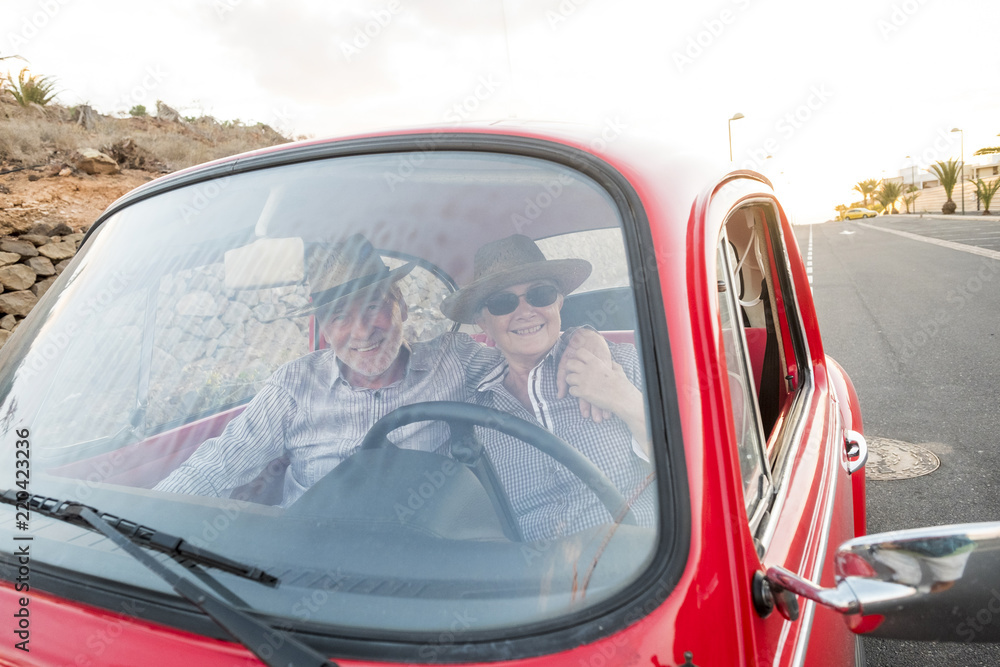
<point x="548" y="500"/>
<point x="309" y="413"/>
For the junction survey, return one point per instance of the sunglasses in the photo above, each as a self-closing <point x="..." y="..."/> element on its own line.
<point x="504" y="303"/>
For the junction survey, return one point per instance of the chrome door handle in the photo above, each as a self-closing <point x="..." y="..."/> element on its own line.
<point x="857" y="451"/>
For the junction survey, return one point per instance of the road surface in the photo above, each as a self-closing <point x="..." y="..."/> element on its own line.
<point x="911" y="308"/>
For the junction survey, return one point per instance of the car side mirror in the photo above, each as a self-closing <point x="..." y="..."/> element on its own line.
<point x="929" y="584"/>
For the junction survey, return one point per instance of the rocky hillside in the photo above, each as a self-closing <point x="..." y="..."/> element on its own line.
<point x="61" y="167"/>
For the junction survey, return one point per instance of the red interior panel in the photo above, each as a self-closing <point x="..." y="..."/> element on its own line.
<point x="145" y="463"/>
<point x="756" y="344"/>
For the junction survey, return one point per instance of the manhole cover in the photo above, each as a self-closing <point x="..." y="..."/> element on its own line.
<point x="895" y="459"/>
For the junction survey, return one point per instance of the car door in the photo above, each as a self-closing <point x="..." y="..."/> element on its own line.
<point x="786" y="426"/>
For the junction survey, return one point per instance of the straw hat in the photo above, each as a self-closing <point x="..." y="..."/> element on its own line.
<point x="350" y="267"/>
<point x="511" y="261"/>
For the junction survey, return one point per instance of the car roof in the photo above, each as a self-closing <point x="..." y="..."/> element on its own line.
<point x="665" y="179"/>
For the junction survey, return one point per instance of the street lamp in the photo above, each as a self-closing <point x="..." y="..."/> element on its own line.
<point x="961" y="178"/>
<point x="736" y="116"/>
<point x="913" y="183"/>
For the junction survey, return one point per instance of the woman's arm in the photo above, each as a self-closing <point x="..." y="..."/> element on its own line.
<point x="582" y="338"/>
<point x="604" y="384"/>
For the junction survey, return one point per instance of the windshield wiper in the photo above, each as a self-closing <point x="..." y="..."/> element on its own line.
<point x="128" y="536"/>
<point x="143" y="536"/>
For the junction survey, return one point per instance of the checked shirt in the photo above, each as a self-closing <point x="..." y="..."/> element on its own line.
<point x="548" y="500"/>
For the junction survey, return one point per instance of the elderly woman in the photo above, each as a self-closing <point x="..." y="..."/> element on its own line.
<point x="515" y="298"/>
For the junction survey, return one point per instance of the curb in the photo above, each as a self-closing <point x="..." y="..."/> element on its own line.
<point x="940" y="216"/>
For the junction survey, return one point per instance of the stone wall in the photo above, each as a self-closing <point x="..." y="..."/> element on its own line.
<point x="29" y="264"/>
<point x="215" y="346"/>
<point x="212" y="347"/>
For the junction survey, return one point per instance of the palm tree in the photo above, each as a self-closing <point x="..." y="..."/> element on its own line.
<point x="888" y="193"/>
<point x="985" y="192"/>
<point x="866" y="188"/>
<point x="989" y="150"/>
<point x="911" y="197"/>
<point x="947" y="174"/>
<point x="841" y="209"/>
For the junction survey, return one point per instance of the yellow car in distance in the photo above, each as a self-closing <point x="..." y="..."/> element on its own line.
<point x="855" y="213"/>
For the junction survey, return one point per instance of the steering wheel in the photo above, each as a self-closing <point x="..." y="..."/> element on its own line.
<point x="469" y="415"/>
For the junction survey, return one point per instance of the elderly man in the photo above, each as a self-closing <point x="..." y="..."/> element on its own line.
<point x="317" y="409"/>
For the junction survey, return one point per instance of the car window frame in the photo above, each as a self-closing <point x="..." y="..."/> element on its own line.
<point x="784" y="439"/>
<point x="667" y="563"/>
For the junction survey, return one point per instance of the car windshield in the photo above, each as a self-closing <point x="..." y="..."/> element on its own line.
<point x="197" y="332"/>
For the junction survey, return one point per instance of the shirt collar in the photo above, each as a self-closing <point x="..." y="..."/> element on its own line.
<point x="338" y="376"/>
<point x="496" y="376"/>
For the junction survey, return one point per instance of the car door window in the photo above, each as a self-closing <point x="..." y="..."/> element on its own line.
<point x="765" y="345"/>
<point x="742" y="393"/>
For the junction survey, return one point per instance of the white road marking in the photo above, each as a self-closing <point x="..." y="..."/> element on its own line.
<point x="982" y="252"/>
<point x="992" y="237"/>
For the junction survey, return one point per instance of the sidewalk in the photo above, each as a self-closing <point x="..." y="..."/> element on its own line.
<point x="968" y="217"/>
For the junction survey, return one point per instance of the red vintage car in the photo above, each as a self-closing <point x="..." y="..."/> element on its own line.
<point x="320" y="533"/>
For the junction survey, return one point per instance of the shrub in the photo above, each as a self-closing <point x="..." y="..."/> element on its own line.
<point x="985" y="191"/>
<point x="31" y="89"/>
<point x="137" y="111"/>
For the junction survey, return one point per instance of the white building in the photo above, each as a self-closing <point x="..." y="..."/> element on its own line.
<point x="976" y="166"/>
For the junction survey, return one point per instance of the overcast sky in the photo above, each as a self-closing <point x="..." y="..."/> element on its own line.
<point x="834" y="91"/>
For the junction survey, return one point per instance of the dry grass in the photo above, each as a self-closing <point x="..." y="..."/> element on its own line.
<point x="37" y="136"/>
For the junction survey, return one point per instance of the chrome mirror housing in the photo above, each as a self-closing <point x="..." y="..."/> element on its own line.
<point x="931" y="584"/>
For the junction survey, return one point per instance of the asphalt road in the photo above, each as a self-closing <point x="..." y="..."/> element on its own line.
<point x="917" y="327"/>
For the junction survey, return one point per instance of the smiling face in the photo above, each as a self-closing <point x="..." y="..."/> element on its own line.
<point x="527" y="334"/>
<point x="366" y="333"/>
